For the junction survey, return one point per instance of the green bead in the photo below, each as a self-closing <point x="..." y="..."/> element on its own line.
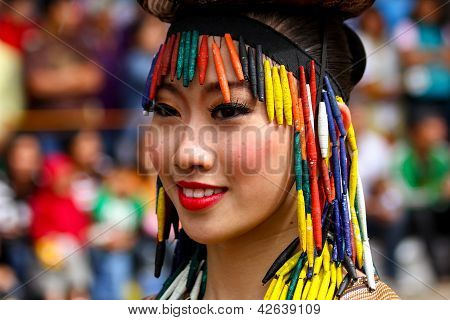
<point x="181" y="55"/>
<point x="187" y="50"/>
<point x="193" y="55"/>
<point x="306" y="189"/>
<point x="295" y="275"/>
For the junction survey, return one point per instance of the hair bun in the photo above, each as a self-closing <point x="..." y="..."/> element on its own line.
<point x="167" y="10"/>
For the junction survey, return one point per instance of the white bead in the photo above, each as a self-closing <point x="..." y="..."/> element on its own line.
<point x="322" y="122"/>
<point x="196" y="289"/>
<point x="181" y="286"/>
<point x="174" y="284"/>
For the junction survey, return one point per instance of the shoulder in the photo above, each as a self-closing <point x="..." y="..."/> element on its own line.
<point x="360" y="291"/>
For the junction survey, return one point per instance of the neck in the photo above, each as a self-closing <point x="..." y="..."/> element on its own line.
<point x="236" y="267"/>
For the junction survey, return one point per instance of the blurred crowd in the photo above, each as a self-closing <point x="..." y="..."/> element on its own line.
<point x="76" y="212"/>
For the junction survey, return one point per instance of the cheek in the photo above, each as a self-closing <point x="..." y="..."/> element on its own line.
<point x="156" y="146"/>
<point x="264" y="152"/>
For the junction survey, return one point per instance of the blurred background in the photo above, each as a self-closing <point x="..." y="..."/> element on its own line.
<point x="72" y="74"/>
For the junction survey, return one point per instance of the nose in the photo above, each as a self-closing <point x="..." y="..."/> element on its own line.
<point x="193" y="153"/>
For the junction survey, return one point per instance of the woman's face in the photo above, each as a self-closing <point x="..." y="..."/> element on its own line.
<point x="225" y="168"/>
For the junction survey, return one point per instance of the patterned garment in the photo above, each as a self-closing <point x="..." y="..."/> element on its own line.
<point x="359" y="291"/>
<point x="167" y="9"/>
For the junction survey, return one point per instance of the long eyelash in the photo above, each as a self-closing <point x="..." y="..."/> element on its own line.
<point x="236" y="104"/>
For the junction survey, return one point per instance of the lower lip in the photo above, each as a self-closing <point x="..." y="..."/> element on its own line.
<point x="195" y="204"/>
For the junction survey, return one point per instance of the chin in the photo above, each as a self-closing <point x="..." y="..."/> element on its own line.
<point x="210" y="232"/>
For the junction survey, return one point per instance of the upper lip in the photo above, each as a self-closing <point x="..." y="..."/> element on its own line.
<point x="196" y="185"/>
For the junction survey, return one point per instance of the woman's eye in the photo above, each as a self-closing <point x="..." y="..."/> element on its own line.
<point x="165" y="110"/>
<point x="227" y="111"/>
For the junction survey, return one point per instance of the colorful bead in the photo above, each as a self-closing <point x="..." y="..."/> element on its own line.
<point x="181" y="53"/>
<point x="203" y="58"/>
<point x="260" y="73"/>
<point x="187" y="58"/>
<point x="193" y="54"/>
<point x="174" y="58"/>
<point x="281" y="259"/>
<point x="313" y="85"/>
<point x="270" y="102"/>
<point x="322" y="123"/>
<point x="234" y="57"/>
<point x="155" y="74"/>
<point x="278" y="93"/>
<point x="295" y="101"/>
<point x="295" y="276"/>
<point x="252" y="71"/>
<point x="167" y="55"/>
<point x="243" y="57"/>
<point x="221" y="75"/>
<point x="334" y="107"/>
<point x="287" y="99"/>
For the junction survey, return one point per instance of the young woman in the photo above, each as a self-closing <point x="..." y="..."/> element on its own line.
<point x="254" y="159"/>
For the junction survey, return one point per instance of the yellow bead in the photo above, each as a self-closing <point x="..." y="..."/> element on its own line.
<point x="270" y="102"/>
<point x="289" y="265"/>
<point x="277" y="289"/>
<point x="324" y="286"/>
<point x="161" y="214"/>
<point x="284" y="292"/>
<point x="299" y="288"/>
<point x="301" y="216"/>
<point x="318" y="263"/>
<point x="326" y="257"/>
<point x="278" y="94"/>
<point x="270" y="290"/>
<point x="314" y="289"/>
<point x="306" y="289"/>
<point x="309" y="240"/>
<point x="330" y="292"/>
<point x="287" y="98"/>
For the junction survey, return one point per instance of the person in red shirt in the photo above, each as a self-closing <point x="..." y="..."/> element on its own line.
<point x="58" y="229"/>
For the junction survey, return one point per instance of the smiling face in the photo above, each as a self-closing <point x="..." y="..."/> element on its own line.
<point x="224" y="166"/>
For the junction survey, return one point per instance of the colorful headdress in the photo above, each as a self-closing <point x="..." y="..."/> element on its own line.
<point x="331" y="208"/>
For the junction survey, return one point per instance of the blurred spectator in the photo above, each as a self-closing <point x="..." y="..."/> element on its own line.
<point x="17" y="184"/>
<point x="14" y="29"/>
<point x="91" y="164"/>
<point x="58" y="70"/>
<point x="379" y="88"/>
<point x="59" y="231"/>
<point x="394" y="11"/>
<point x="421" y="171"/>
<point x="117" y="216"/>
<point x="15" y="22"/>
<point x="58" y="75"/>
<point x="424" y="45"/>
<point x="147" y="34"/>
<point x="423" y="164"/>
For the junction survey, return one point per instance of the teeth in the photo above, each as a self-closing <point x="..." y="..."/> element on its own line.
<point x="188" y="192"/>
<point x="200" y="193"/>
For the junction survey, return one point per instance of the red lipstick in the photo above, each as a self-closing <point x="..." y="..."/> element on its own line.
<point x="192" y="203"/>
